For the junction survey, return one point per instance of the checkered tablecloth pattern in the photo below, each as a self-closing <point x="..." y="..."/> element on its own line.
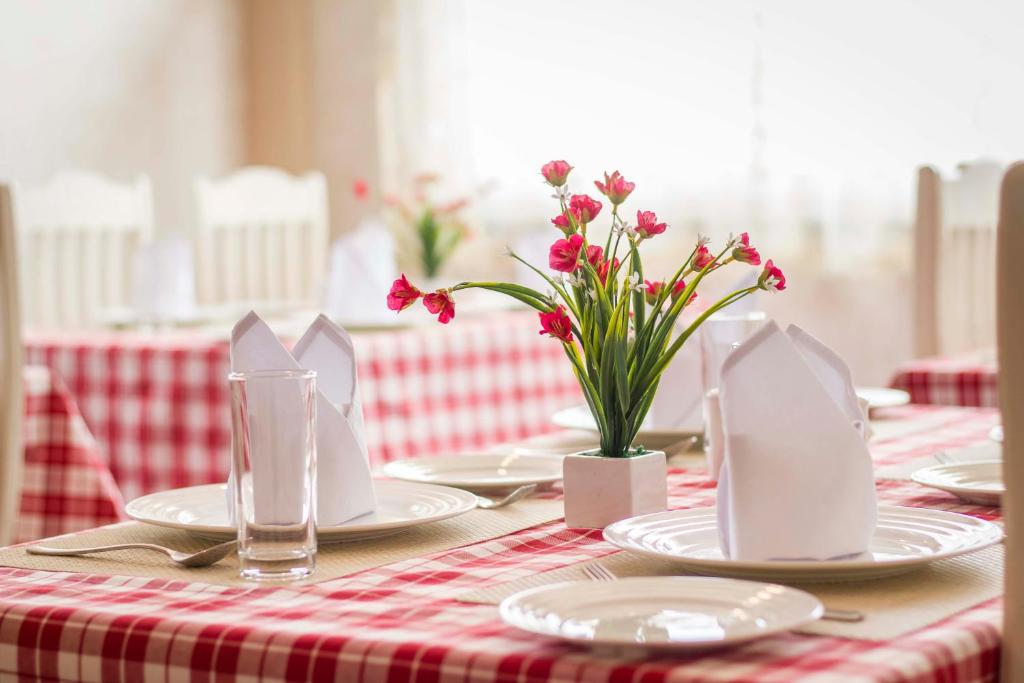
<point x="159" y="406"/>
<point x="401" y="623"/>
<point x="966" y="379"/>
<point x="66" y="485"/>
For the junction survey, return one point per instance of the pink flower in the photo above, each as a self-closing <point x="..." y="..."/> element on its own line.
<point x="605" y="268"/>
<point x="702" y="258"/>
<point x="744" y="253"/>
<point x="402" y="294"/>
<point x="562" y="222"/>
<point x="678" y="290"/>
<point x="615" y="187"/>
<point x="771" y="278"/>
<point x="647" y="224"/>
<point x="652" y="290"/>
<point x="441" y="304"/>
<point x="556" y="172"/>
<point x="556" y="324"/>
<point x="583" y="208"/>
<point x="360" y="188"/>
<point x="565" y="254"/>
<point x="595" y="255"/>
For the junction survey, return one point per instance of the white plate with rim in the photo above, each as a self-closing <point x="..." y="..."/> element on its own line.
<point x="905" y="539"/>
<point x="483" y="472"/>
<point x="882" y="397"/>
<point x="203" y="510"/>
<point x="978" y="482"/>
<point x="681" y="613"/>
<point x="579" y="417"/>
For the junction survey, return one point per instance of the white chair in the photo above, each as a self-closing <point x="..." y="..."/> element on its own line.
<point x="77" y="234"/>
<point x="11" y="452"/>
<point x="262" y="237"/>
<point x="954" y="258"/>
<point x="1011" y="399"/>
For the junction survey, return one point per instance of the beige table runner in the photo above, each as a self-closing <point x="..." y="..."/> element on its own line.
<point x="892" y="607"/>
<point x="333" y="560"/>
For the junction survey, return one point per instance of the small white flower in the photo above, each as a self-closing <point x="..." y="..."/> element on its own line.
<point x="633" y="283"/>
<point x="592" y="293"/>
<point x="703" y="240"/>
<point x="576" y="279"/>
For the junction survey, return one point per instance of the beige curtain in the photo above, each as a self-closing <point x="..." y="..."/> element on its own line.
<point x="11" y="453"/>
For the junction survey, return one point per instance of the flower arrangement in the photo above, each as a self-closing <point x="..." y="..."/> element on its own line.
<point x="437" y="228"/>
<point x="615" y="326"/>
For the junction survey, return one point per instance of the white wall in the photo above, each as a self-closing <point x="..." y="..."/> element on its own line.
<point x="123" y="87"/>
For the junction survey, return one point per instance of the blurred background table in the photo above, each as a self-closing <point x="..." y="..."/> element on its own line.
<point x="158" y="403"/>
<point x="964" y="379"/>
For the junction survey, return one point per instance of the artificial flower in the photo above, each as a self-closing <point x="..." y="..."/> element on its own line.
<point x="595" y="255"/>
<point x="653" y="290"/>
<point x="771" y="278"/>
<point x="556" y="324"/>
<point x="556" y="172"/>
<point x="647" y="224"/>
<point x="584" y="208"/>
<point x="565" y="254"/>
<point x="360" y="188"/>
<point x="562" y="222"/>
<point x="744" y="253"/>
<point x="615" y="187"/>
<point x="441" y="304"/>
<point x="702" y="258"/>
<point x="678" y="290"/>
<point x="605" y="268"/>
<point x="403" y="294"/>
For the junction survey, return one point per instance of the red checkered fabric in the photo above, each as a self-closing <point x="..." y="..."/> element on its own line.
<point x="967" y="379"/>
<point x="159" y="405"/>
<point x="66" y="484"/>
<point x="401" y="623"/>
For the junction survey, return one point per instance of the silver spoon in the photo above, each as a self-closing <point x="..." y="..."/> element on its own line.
<point x="203" y="558"/>
<point x="491" y="504"/>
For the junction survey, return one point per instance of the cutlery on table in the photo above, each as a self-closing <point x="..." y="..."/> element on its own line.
<point x="203" y="558"/>
<point x="596" y="571"/>
<point x="491" y="504"/>
<point x="944" y="458"/>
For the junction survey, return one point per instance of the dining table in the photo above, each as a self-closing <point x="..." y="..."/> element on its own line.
<point x="157" y="401"/>
<point x="967" y="378"/>
<point x="409" y="620"/>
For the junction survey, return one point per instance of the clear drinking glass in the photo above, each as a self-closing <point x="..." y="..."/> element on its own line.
<point x="273" y="472"/>
<point x="719" y="336"/>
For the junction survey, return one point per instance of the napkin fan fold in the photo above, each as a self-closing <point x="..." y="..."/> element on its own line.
<point x="797" y="482"/>
<point x="344" y="484"/>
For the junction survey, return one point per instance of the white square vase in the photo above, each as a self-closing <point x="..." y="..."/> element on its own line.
<point x="599" y="491"/>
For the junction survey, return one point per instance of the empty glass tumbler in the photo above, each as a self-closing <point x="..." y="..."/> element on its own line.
<point x="273" y="472"/>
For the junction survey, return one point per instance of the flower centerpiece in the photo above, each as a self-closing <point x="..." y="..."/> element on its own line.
<point x="617" y="328"/>
<point x="437" y="228"/>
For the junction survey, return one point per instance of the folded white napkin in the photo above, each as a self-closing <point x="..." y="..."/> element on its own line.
<point x="362" y="269"/>
<point x="677" y="404"/>
<point x="797" y="481"/>
<point x="344" y="485"/>
<point x="163" y="281"/>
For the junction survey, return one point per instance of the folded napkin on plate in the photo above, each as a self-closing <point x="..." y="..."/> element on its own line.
<point x="362" y="269"/>
<point x="344" y="486"/>
<point x="797" y="482"/>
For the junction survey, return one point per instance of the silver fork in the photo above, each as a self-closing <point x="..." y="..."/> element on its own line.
<point x="595" y="571"/>
<point x="491" y="504"/>
<point x="203" y="558"/>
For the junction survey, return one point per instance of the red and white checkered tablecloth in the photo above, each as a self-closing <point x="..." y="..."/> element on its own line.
<point x="966" y="379"/>
<point x="159" y="405"/>
<point x="66" y="485"/>
<point x="401" y="622"/>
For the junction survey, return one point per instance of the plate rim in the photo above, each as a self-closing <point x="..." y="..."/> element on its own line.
<point x="812" y="566"/>
<point x="467" y="483"/>
<point x="507" y="604"/>
<point x="339" y="530"/>
<point x="892" y="391"/>
<point x="919" y="477"/>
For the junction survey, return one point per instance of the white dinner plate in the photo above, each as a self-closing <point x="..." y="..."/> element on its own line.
<point x="203" y="511"/>
<point x="579" y="417"/>
<point x="485" y="472"/>
<point x="905" y="539"/>
<point x="660" y="613"/>
<point x="978" y="482"/>
<point x="880" y="397"/>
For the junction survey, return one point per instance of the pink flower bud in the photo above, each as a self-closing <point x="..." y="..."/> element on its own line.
<point x="771" y="278"/>
<point x="441" y="304"/>
<point x="556" y="172"/>
<point x="615" y="187"/>
<point x="556" y="324"/>
<point x="744" y="253"/>
<point x="584" y="208"/>
<point x="562" y="222"/>
<point x="702" y="258"/>
<point x="647" y="224"/>
<point x="402" y="294"/>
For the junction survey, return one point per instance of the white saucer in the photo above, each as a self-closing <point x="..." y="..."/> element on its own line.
<point x="579" y="417"/>
<point x="978" y="482"/>
<point x="880" y="397"/>
<point x="660" y="613"/>
<point x="486" y="472"/>
<point x="905" y="539"/>
<point x="202" y="510"/>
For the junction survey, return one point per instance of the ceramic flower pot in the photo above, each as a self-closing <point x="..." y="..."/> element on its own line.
<point x="600" y="490"/>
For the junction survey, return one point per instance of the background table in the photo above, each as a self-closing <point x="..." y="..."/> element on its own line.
<point x="66" y="483"/>
<point x="966" y="379"/>
<point x="158" y="404"/>
<point x="400" y="622"/>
